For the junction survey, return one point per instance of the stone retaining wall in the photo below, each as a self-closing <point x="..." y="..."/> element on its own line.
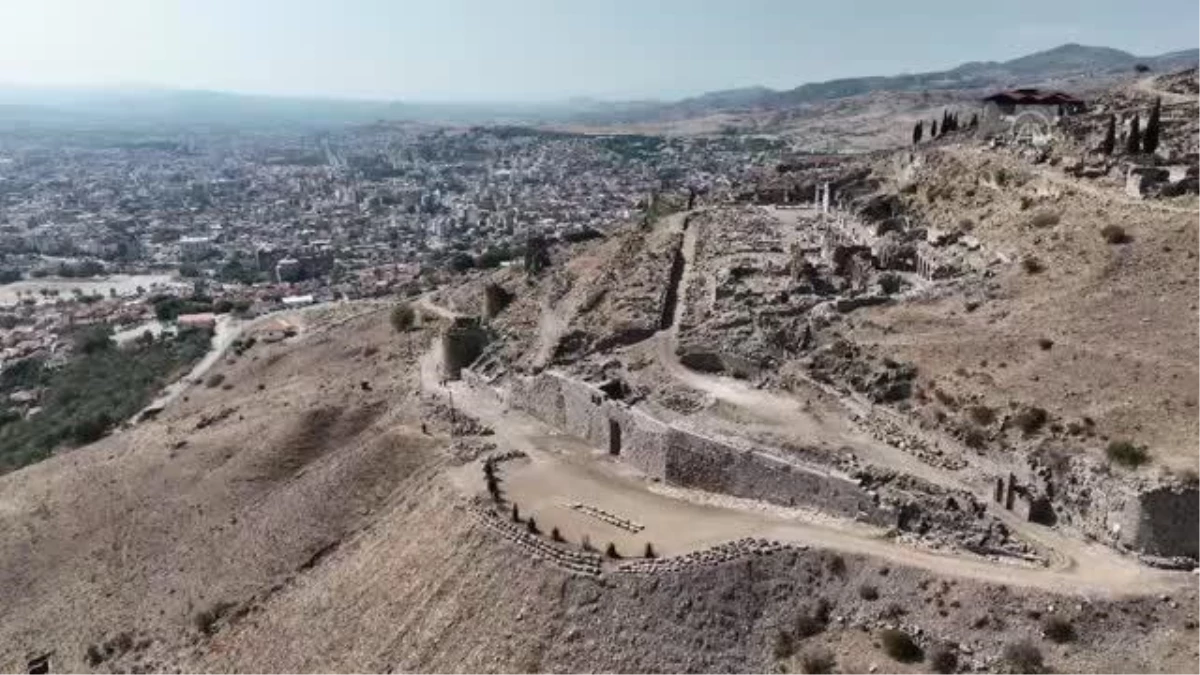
<point x="1163" y="521"/>
<point x="689" y="459"/>
<point x="575" y="562"/>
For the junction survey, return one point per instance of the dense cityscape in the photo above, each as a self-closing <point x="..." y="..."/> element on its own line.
<point x="109" y="227"/>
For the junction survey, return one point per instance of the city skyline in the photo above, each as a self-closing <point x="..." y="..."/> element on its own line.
<point x="535" y="51"/>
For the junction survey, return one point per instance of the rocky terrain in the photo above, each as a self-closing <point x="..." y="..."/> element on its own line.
<point x="930" y="409"/>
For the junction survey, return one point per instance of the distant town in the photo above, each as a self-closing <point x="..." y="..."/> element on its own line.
<point x="133" y="229"/>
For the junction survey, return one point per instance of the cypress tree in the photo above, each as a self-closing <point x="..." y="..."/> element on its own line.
<point x="918" y="131"/>
<point x="933" y="129"/>
<point x="974" y="120"/>
<point x="1110" y="136"/>
<point x="1133" y="144"/>
<point x="1150" y="138"/>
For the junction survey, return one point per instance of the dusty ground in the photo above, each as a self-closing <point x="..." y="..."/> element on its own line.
<point x="306" y="523"/>
<point x="1122" y="317"/>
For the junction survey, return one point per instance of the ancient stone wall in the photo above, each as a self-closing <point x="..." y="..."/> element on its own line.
<point x="461" y="343"/>
<point x="687" y="458"/>
<point x="1163" y="521"/>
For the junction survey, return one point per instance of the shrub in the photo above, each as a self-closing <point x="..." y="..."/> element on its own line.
<point x="813" y="619"/>
<point x="890" y="283"/>
<point x="611" y="551"/>
<point x="586" y="543"/>
<point x="1127" y="454"/>
<point x="403" y="317"/>
<point x="893" y="611"/>
<point x="1031" y="419"/>
<point x="817" y="661"/>
<point x="555" y="535"/>
<point x="868" y="592"/>
<point x="943" y="659"/>
<point x="1032" y="265"/>
<point x="1044" y="219"/>
<point x="981" y="415"/>
<point x="1024" y="657"/>
<point x="214" y="380"/>
<point x="531" y="526"/>
<point x="1045" y="343"/>
<point x="91" y="429"/>
<point x="837" y="565"/>
<point x="899" y="645"/>
<point x="785" y="645"/>
<point x="1058" y="629"/>
<point x="649" y="552"/>
<point x="1114" y="234"/>
<point x="206" y="619"/>
<point x="1026" y="202"/>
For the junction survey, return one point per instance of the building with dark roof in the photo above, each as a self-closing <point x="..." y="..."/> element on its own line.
<point x="1016" y="101"/>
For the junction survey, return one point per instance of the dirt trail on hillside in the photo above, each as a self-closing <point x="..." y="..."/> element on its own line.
<point x="1148" y="85"/>
<point x="562" y="470"/>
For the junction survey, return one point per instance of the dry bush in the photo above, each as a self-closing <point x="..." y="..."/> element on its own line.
<point x="1114" y="234"/>
<point x="1024" y="657"/>
<point x="1127" y="454"/>
<point x="817" y="661"/>
<point x="943" y="659"/>
<point x="1031" y="419"/>
<point x="206" y="619"/>
<point x="1058" y="629"/>
<point x="1044" y="219"/>
<point x="981" y="415"/>
<point x="785" y="645"/>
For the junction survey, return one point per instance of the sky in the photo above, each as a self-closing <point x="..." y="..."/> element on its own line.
<point x="543" y="50"/>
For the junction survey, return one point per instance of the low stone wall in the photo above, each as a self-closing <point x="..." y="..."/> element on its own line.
<point x="1163" y="521"/>
<point x="575" y="562"/>
<point x="686" y="458"/>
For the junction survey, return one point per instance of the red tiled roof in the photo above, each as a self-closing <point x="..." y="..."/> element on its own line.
<point x="1032" y="97"/>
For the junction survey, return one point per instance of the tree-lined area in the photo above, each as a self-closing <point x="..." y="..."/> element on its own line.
<point x="99" y="386"/>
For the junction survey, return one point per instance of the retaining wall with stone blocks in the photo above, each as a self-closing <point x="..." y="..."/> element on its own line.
<point x="709" y="557"/>
<point x="575" y="562"/>
<point x="687" y="458"/>
<point x="1163" y="522"/>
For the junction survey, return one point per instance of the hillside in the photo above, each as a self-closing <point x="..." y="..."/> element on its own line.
<point x="943" y="420"/>
<point x="294" y="519"/>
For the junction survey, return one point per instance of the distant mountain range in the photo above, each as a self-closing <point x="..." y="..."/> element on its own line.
<point x="44" y="107"/>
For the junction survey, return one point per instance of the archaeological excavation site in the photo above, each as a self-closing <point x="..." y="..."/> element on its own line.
<point x="928" y="407"/>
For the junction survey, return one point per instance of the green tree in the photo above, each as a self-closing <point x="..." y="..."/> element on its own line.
<point x="1133" y="144"/>
<point x="918" y="131"/>
<point x="537" y="254"/>
<point x="1110" y="136"/>
<point x="403" y="317"/>
<point x="1150" y="138"/>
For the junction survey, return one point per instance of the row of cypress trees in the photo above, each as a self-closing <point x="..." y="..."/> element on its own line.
<point x="949" y="123"/>
<point x="1138" y="141"/>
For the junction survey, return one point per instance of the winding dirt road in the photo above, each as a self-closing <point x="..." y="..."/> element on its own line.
<point x="562" y="470"/>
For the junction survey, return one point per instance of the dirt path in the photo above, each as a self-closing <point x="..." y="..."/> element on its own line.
<point x="561" y="471"/>
<point x="1064" y="552"/>
<point x="1147" y="84"/>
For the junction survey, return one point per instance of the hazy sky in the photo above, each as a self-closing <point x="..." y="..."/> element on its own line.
<point x="545" y="49"/>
